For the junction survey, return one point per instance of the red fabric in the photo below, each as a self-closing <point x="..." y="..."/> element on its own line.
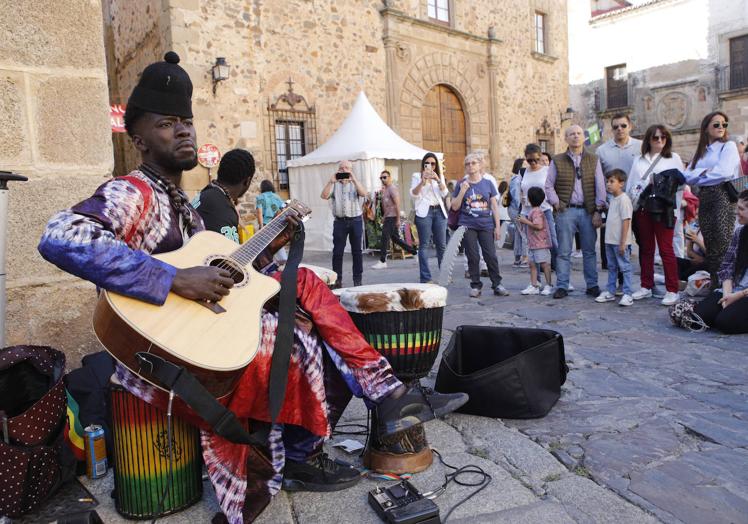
<point x="692" y="206"/>
<point x="647" y="231"/>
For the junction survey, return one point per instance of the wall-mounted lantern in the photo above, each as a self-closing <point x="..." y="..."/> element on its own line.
<point x="220" y="72"/>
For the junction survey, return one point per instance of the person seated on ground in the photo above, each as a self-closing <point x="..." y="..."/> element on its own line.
<point x="108" y="239"/>
<point x="695" y="259"/>
<point x="726" y="309"/>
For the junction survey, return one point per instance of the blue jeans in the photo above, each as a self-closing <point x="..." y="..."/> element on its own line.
<point x="568" y="222"/>
<point x="618" y="263"/>
<point x="342" y="230"/>
<point x="433" y="225"/>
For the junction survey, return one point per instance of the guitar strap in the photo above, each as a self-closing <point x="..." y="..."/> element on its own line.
<point x="286" y="319"/>
<point x="222" y="420"/>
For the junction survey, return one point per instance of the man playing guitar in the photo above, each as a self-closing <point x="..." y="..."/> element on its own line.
<point x="108" y="239"/>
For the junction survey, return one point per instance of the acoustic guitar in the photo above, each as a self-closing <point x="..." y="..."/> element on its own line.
<point x="213" y="340"/>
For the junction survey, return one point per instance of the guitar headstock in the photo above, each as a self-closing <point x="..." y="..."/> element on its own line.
<point x="298" y="208"/>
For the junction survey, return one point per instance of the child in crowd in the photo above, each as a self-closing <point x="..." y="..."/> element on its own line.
<point x="538" y="242"/>
<point x="618" y="238"/>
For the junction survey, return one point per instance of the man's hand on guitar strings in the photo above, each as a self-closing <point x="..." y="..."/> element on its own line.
<point x="202" y="283"/>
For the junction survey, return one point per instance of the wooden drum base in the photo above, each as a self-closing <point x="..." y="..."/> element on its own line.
<point x="404" y="452"/>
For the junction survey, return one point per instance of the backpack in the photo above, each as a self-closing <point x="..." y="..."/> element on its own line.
<point x="34" y="458"/>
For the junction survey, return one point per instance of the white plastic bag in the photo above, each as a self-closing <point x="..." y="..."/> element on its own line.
<point x="698" y="284"/>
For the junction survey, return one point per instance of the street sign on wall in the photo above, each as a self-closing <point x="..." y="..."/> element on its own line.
<point x="117" y="118"/>
<point x="208" y="156"/>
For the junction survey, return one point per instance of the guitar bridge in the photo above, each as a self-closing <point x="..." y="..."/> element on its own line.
<point x="215" y="307"/>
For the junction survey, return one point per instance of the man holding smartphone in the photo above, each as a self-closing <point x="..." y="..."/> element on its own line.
<point x="346" y="195"/>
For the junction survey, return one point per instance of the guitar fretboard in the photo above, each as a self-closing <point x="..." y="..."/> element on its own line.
<point x="246" y="254"/>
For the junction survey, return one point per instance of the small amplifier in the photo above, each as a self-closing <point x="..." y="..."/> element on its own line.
<point x="403" y="504"/>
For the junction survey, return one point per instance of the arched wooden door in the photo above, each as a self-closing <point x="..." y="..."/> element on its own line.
<point x="443" y="125"/>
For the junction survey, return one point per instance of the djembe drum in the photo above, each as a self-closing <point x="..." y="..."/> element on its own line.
<point x="141" y="459"/>
<point x="404" y="323"/>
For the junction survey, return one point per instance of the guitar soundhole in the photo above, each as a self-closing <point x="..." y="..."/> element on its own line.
<point x="237" y="273"/>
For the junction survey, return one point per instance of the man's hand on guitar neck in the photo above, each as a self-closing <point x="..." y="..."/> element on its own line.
<point x="202" y="283"/>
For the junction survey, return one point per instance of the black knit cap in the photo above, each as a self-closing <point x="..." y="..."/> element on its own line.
<point x="164" y="88"/>
<point x="236" y="166"/>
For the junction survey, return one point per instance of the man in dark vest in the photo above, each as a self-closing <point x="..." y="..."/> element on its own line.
<point x="575" y="187"/>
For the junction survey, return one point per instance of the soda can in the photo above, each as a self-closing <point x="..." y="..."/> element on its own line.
<point x="95" y="448"/>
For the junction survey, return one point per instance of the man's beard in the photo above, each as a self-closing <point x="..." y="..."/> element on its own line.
<point x="171" y="163"/>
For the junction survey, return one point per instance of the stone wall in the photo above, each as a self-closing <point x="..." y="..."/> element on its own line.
<point x="55" y="130"/>
<point x="343" y="50"/>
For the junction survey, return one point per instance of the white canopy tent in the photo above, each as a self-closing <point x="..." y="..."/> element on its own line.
<point x="372" y="146"/>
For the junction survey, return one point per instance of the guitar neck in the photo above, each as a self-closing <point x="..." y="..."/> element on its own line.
<point x="250" y="250"/>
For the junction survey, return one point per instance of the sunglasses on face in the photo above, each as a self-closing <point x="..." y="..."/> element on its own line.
<point x="657" y="138"/>
<point x="717" y="125"/>
<point x="621" y="126"/>
<point x="532" y="160"/>
<point x="429" y="163"/>
<point x="383" y="177"/>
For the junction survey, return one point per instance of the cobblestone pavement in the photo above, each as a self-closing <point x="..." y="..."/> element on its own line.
<point x="652" y="424"/>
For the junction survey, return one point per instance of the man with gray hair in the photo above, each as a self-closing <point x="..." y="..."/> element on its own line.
<point x="575" y="187"/>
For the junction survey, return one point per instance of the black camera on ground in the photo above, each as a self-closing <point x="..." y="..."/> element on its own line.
<point x="342" y="176"/>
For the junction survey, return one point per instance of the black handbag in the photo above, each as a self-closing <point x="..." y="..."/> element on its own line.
<point x="507" y="372"/>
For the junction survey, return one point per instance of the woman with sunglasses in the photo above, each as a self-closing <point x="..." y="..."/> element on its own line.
<point x="715" y="163"/>
<point x="535" y="176"/>
<point x="428" y="190"/>
<point x="649" y="228"/>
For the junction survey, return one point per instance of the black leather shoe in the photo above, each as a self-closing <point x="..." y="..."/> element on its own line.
<point x="319" y="473"/>
<point x="560" y="293"/>
<point x="416" y="406"/>
<point x="593" y="291"/>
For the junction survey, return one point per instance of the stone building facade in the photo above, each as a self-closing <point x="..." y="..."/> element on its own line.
<point x="471" y="82"/>
<point x="674" y="79"/>
<point x="54" y="129"/>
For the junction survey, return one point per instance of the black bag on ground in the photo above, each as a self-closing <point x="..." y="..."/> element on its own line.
<point x="508" y="372"/>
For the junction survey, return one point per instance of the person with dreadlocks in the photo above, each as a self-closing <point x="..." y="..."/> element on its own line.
<point x="726" y="309"/>
<point x="109" y="238"/>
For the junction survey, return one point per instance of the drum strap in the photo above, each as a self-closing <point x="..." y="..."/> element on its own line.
<point x="222" y="420"/>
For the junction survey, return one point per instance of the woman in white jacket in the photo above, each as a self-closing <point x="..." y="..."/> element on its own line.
<point x="656" y="157"/>
<point x="428" y="190"/>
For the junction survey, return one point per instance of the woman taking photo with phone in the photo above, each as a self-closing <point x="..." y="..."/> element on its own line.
<point x="428" y="190"/>
<point x="715" y="163"/>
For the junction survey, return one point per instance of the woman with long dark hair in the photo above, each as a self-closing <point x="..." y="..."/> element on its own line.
<point x="726" y="309"/>
<point x="715" y="163"/>
<point x="655" y="229"/>
<point x="428" y="189"/>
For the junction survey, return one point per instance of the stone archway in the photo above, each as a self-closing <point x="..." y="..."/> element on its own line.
<point x="462" y="80"/>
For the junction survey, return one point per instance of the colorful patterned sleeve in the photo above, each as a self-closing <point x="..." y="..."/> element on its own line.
<point x="88" y="241"/>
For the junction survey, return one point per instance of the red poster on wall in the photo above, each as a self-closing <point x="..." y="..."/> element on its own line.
<point x="117" y="118"/>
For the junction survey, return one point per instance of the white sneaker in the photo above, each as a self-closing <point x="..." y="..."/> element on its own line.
<point x="380" y="265"/>
<point x="626" y="300"/>
<point x="670" y="299"/>
<point x="570" y="288"/>
<point x="605" y="296"/>
<point x="530" y="290"/>
<point x="474" y="292"/>
<point x="547" y="290"/>
<point x="577" y="254"/>
<point x="642" y="293"/>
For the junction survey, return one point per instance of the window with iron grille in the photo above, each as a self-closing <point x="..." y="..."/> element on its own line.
<point x="439" y="10"/>
<point x="292" y="132"/>
<point x="739" y="62"/>
<point x="539" y="33"/>
<point x="617" y="86"/>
